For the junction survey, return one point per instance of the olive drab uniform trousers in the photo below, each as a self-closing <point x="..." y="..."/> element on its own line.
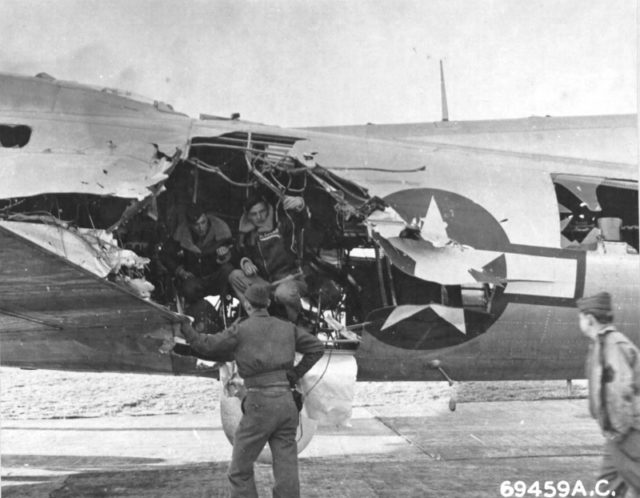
<point x="270" y="416"/>
<point x="264" y="349"/>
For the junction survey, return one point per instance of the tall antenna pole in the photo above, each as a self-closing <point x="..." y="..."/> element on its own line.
<point x="443" y="94"/>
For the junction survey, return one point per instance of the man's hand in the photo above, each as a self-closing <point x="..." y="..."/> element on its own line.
<point x="187" y="331"/>
<point x="292" y="377"/>
<point x="183" y="274"/>
<point x="223" y="254"/>
<point x="248" y="268"/>
<point x="290" y="203"/>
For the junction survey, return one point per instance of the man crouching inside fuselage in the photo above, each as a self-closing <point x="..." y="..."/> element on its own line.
<point x="264" y="349"/>
<point x="268" y="246"/>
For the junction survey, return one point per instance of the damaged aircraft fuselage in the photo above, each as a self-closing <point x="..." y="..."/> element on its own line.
<point x="469" y="255"/>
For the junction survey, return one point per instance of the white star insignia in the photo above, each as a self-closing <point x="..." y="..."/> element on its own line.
<point x="455" y="316"/>
<point x="433" y="227"/>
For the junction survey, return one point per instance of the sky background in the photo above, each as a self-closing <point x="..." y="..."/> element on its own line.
<point x="323" y="62"/>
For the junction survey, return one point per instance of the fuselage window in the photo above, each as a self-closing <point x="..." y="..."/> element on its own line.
<point x="599" y="211"/>
<point x="14" y="136"/>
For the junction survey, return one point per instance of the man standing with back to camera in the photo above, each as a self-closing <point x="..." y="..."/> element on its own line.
<point x="613" y="371"/>
<point x="264" y="349"/>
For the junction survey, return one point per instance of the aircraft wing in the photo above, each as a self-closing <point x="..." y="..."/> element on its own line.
<point x="56" y="314"/>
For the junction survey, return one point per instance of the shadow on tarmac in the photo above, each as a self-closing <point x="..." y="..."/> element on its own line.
<point x="360" y="476"/>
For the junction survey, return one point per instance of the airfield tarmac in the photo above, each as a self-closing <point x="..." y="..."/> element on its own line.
<point x="103" y="435"/>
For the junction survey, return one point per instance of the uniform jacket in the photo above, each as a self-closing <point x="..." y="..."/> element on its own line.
<point x="273" y="252"/>
<point x="613" y="370"/>
<point x="263" y="346"/>
<point x="198" y="256"/>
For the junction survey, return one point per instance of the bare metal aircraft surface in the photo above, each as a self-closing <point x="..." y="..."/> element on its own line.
<point x="462" y="242"/>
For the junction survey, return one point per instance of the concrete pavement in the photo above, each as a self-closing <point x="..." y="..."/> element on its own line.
<point x="389" y="451"/>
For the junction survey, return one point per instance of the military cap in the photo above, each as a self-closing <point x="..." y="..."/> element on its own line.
<point x="258" y="295"/>
<point x="597" y="305"/>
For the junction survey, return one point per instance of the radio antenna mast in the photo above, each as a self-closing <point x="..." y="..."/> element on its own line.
<point x="443" y="95"/>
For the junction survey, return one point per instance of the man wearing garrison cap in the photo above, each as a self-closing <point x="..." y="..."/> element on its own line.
<point x="613" y="370"/>
<point x="264" y="350"/>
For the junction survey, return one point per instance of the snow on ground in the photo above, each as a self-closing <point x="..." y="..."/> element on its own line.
<point x="43" y="394"/>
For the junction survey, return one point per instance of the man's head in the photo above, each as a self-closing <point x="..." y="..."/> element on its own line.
<point x="596" y="312"/>
<point x="198" y="221"/>
<point x="257" y="297"/>
<point x="257" y="212"/>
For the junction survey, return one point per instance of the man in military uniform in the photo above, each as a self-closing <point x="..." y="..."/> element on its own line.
<point x="199" y="255"/>
<point x="613" y="371"/>
<point x="268" y="244"/>
<point x="264" y="349"/>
